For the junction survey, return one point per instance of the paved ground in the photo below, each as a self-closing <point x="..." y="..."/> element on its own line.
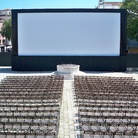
<point x="66" y="128"/>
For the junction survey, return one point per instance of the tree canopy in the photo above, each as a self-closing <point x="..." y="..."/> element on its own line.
<point x="6" y="30"/>
<point x="132" y="18"/>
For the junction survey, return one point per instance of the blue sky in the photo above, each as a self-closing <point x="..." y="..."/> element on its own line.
<point x="24" y="4"/>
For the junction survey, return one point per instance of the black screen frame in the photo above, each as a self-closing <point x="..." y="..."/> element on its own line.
<point x="20" y="62"/>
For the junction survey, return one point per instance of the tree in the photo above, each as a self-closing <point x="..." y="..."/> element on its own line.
<point x="132" y="18"/>
<point x="6" y="30"/>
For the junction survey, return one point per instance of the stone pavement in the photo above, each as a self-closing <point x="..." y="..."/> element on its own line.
<point x="67" y="112"/>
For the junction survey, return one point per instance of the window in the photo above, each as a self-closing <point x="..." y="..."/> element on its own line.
<point x="3" y="41"/>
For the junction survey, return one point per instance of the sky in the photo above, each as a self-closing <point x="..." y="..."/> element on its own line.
<point x="33" y="4"/>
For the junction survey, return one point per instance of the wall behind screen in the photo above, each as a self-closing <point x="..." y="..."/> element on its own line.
<point x="86" y="34"/>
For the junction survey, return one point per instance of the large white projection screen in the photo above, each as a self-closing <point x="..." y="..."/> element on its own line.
<point x="71" y="34"/>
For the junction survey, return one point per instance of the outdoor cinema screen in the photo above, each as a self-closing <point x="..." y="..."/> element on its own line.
<point x="69" y="34"/>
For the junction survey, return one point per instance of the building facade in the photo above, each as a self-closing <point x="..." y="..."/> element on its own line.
<point x="106" y="4"/>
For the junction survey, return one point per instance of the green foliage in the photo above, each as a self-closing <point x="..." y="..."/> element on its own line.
<point x="132" y="17"/>
<point x="6" y="30"/>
